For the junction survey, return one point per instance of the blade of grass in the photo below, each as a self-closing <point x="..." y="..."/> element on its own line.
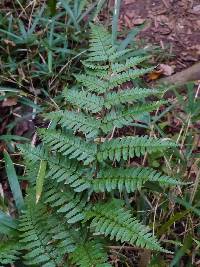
<point x="40" y="179"/>
<point x="115" y="20"/>
<point x="181" y="252"/>
<point x="129" y="38"/>
<point x="70" y="13"/>
<point x="13" y="182"/>
<point x="9" y="137"/>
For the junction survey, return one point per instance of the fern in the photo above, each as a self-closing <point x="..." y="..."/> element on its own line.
<point x="89" y="254"/>
<point x="113" y="220"/>
<point x="131" y="146"/>
<point x="72" y="206"/>
<point x="76" y="121"/>
<point x="69" y="145"/>
<point x="84" y="100"/>
<point x="9" y="252"/>
<point x="125" y="117"/>
<point x="130" y="179"/>
<point x="86" y="156"/>
<point x="36" y="238"/>
<point x="128" y="96"/>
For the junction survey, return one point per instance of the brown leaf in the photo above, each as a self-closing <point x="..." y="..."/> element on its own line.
<point x="154" y="75"/>
<point x="166" y="69"/>
<point x="9" y="42"/>
<point x="138" y="21"/>
<point x="9" y="102"/>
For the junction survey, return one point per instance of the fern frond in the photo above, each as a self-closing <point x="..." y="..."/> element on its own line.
<point x="36" y="238"/>
<point x="64" y="235"/>
<point x="131" y="146"/>
<point x="112" y="220"/>
<point x="131" y="62"/>
<point x="9" y="252"/>
<point x="32" y="153"/>
<point x="130" y="179"/>
<point x="93" y="84"/>
<point x="84" y="100"/>
<point x="126" y="116"/>
<point x="76" y="121"/>
<point x="100" y="44"/>
<point x="95" y="66"/>
<point x="69" y="145"/>
<point x="128" y="96"/>
<point x="90" y="254"/>
<point x="68" y="203"/>
<point x="118" y="55"/>
<point x="126" y="76"/>
<point x="68" y="172"/>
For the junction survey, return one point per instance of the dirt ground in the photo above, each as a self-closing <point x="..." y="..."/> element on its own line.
<point x="174" y="25"/>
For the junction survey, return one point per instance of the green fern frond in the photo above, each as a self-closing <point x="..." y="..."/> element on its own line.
<point x="117" y="56"/>
<point x="69" y="145"/>
<point x="131" y="146"/>
<point x="90" y="254"/>
<point x="68" y="172"/>
<point x="69" y="204"/>
<point x="125" y="117"/>
<point x="76" y="121"/>
<point x="64" y="235"/>
<point x="127" y="76"/>
<point x="32" y="153"/>
<point x="112" y="220"/>
<point x="9" y="252"/>
<point x="36" y="238"/>
<point x="84" y="100"/>
<point x="128" y="96"/>
<point x="130" y="179"/>
<point x="100" y="44"/>
<point x="95" y="66"/>
<point x="130" y="62"/>
<point x="93" y="84"/>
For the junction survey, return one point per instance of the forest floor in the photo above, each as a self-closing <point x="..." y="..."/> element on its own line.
<point x="173" y="25"/>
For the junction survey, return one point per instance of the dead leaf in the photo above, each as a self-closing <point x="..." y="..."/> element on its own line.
<point x="138" y="21"/>
<point x="130" y="13"/>
<point x="154" y="75"/>
<point x="166" y="69"/>
<point x="196" y="9"/>
<point x="9" y="102"/>
<point x="9" y="42"/>
<point x="127" y="21"/>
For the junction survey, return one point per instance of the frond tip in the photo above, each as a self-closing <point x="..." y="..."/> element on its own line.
<point x="90" y="254"/>
<point x="132" y="146"/>
<point x="110" y="219"/>
<point x="130" y="179"/>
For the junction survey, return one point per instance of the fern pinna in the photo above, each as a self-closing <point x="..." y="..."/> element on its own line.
<point x="85" y="158"/>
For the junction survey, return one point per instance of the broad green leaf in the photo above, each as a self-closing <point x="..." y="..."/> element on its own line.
<point x="13" y="181"/>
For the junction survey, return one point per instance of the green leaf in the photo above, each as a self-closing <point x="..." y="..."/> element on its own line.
<point x="9" y="137"/>
<point x="13" y="181"/>
<point x="182" y="251"/>
<point x="40" y="179"/>
<point x="52" y="6"/>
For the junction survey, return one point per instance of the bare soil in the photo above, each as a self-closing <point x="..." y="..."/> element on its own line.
<point x="174" y="25"/>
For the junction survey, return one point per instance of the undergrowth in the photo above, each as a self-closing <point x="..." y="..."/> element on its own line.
<point x="100" y="173"/>
<point x="80" y="179"/>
